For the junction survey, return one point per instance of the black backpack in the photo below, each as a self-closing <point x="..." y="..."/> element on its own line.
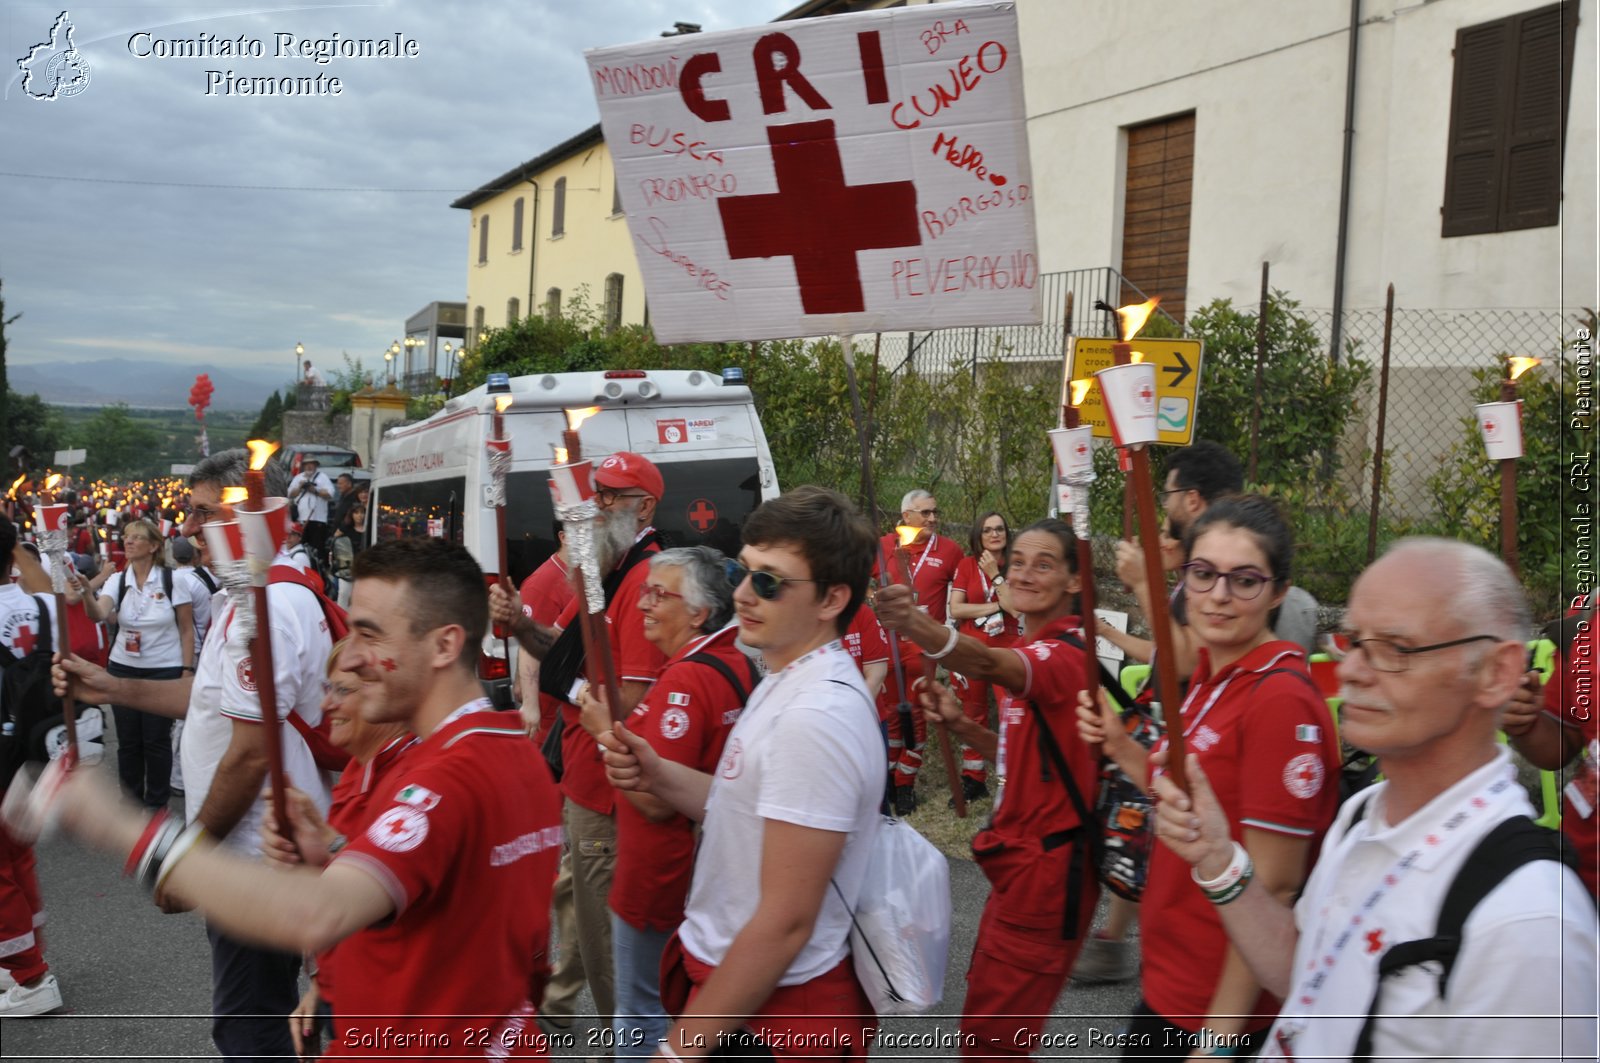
<point x="1515" y="842"/>
<point x="29" y="707"/>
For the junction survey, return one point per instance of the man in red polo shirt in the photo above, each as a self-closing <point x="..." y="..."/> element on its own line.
<point x="628" y="487"/>
<point x="931" y="562"/>
<point x="442" y="903"/>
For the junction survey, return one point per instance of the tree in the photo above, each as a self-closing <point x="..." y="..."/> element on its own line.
<point x="119" y="445"/>
<point x="6" y="434"/>
<point x="269" y="424"/>
<point x="35" y="424"/>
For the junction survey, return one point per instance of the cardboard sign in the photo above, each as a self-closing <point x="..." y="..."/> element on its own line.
<point x="855" y="173"/>
<point x="1177" y="395"/>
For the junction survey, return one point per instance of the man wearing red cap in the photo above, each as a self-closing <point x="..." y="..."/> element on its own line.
<point x="628" y="488"/>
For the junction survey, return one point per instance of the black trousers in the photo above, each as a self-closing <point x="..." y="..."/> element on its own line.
<point x="253" y="991"/>
<point x="144" y="743"/>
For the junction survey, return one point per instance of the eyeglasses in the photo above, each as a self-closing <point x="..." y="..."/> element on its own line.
<point x="1243" y="583"/>
<point x="765" y="584"/>
<point x="203" y="514"/>
<point x="1386" y="656"/>
<point x="1165" y="491"/>
<point x="653" y="593"/>
<point x="607" y="496"/>
<point x="331" y="689"/>
<point x="924" y="512"/>
<point x="996" y="529"/>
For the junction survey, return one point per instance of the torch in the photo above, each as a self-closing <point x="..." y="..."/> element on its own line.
<point x="50" y="523"/>
<point x="1129" y="390"/>
<point x="930" y="668"/>
<point x="264" y="524"/>
<point x="573" y="491"/>
<point x="1073" y="446"/>
<point x="1501" y="426"/>
<point x="499" y="447"/>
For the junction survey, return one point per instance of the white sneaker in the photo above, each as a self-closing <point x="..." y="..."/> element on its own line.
<point x="6" y="981"/>
<point x="36" y="1000"/>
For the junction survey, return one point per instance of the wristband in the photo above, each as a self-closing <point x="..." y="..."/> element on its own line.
<point x="142" y="846"/>
<point x="1230" y="875"/>
<point x="955" y="636"/>
<point x="156" y="853"/>
<point x="1235" y="891"/>
<point x="179" y="849"/>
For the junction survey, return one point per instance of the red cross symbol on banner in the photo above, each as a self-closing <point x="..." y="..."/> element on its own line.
<point x="1145" y="394"/>
<point x="703" y="515"/>
<point x="26" y="640"/>
<point x="818" y="220"/>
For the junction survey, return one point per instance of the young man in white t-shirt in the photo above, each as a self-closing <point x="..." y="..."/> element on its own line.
<point x="765" y="943"/>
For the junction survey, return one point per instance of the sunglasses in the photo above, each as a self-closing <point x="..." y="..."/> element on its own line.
<point x="924" y="512"/>
<point x="766" y="585"/>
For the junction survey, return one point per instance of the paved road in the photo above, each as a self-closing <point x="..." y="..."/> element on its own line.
<point x="137" y="983"/>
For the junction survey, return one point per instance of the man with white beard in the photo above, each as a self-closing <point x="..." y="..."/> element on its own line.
<point x="628" y="488"/>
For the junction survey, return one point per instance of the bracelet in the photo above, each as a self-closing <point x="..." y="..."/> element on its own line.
<point x="142" y="846"/>
<point x="1230" y="875"/>
<point x="150" y="862"/>
<point x="338" y="843"/>
<point x="955" y="636"/>
<point x="180" y="849"/>
<point x="1235" y="891"/>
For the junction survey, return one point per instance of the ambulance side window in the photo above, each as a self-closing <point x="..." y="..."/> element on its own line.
<point x="423" y="508"/>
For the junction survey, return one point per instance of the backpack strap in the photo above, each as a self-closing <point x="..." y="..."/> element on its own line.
<point x="1108" y="681"/>
<point x="205" y="577"/>
<point x="46" y="634"/>
<point x="1513" y="843"/>
<point x="1088" y="826"/>
<point x="718" y="665"/>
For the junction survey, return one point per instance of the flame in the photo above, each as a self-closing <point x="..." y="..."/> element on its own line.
<point x="575" y="418"/>
<point x="1080" y="390"/>
<point x="908" y="534"/>
<point x="502" y="403"/>
<point x="18" y="482"/>
<point x="1520" y="365"/>
<point x="50" y="483"/>
<point x="561" y="455"/>
<point x="1133" y="317"/>
<point x="260" y="451"/>
<point x="232" y="496"/>
<point x="1136" y="358"/>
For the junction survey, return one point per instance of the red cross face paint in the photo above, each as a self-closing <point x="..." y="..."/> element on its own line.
<point x="853" y="173"/>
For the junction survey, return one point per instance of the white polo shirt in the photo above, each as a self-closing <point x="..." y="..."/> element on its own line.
<point x="806" y="750"/>
<point x="225" y="690"/>
<point x="147" y="623"/>
<point x="1528" y="953"/>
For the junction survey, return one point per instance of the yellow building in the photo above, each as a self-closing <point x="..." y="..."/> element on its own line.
<point x="545" y="230"/>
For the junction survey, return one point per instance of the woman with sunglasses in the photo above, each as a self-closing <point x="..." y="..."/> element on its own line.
<point x="687" y="602"/>
<point x="155" y="640"/>
<point x="1266" y="741"/>
<point x="975" y="602"/>
<point x="1033" y="851"/>
<point x="374" y="749"/>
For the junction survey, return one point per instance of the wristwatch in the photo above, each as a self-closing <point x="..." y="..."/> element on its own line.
<point x="998" y="580"/>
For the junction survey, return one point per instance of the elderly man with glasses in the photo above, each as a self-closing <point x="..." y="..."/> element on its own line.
<point x="932" y="564"/>
<point x="1365" y="961"/>
<point x="628" y="489"/>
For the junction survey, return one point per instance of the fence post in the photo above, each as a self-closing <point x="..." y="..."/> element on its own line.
<point x="1261" y="370"/>
<point x="1383" y="417"/>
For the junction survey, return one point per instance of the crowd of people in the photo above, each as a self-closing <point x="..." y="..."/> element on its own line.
<point x="698" y="838"/>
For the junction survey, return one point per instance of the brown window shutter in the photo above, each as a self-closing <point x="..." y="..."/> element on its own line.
<point x="1536" y="117"/>
<point x="1473" y="165"/>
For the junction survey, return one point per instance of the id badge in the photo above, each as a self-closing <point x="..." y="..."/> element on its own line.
<point x="130" y="643"/>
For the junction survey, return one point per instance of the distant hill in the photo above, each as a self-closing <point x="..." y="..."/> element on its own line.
<point x="145" y="384"/>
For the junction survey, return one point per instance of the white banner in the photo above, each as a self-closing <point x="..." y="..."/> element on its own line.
<point x="72" y="457"/>
<point x="848" y="174"/>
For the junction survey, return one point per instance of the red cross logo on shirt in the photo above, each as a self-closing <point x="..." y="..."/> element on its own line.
<point x="818" y="220"/>
<point x="26" y="640"/>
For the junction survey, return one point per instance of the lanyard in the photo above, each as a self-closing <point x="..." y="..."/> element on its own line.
<point x="1321" y="967"/>
<point x="925" y="551"/>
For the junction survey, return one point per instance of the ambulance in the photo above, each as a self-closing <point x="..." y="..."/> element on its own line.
<point x="431" y="478"/>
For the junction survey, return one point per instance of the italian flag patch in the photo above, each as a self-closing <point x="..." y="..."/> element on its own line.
<point x="1308" y="732"/>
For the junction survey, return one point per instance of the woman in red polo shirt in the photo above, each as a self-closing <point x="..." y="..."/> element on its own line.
<point x="1266" y="741"/>
<point x="975" y="601"/>
<point x="1033" y="851"/>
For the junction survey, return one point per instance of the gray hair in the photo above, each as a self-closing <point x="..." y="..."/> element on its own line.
<point x="1484" y="586"/>
<point x="705" y="581"/>
<point x="227" y="468"/>
<point x="913" y="497"/>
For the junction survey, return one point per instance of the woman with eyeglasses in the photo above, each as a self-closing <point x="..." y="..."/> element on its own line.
<point x="1033" y="850"/>
<point x="975" y="602"/>
<point x="358" y="796"/>
<point x="1266" y="741"/>
<point x="155" y="640"/>
<point x="687" y="602"/>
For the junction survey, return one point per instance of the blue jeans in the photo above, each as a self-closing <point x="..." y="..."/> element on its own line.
<point x="640" y="1021"/>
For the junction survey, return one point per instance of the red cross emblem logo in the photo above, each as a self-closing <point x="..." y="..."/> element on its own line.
<point x="26" y="640"/>
<point x="1145" y="394"/>
<point x="1489" y="427"/>
<point x="819" y="220"/>
<point x="703" y="515"/>
<point x="1081" y="450"/>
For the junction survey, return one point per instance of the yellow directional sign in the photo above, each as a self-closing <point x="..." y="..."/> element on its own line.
<point x="1177" y="365"/>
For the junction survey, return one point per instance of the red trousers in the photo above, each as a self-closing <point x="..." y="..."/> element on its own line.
<point x="905" y="758"/>
<point x="1021" y="960"/>
<point x="974" y="694"/>
<point x="21" y="911"/>
<point x="828" y="1017"/>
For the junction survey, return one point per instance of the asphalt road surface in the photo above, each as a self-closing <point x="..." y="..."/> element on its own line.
<point x="137" y="983"/>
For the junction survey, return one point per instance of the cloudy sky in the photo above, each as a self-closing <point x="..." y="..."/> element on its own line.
<point x="145" y="219"/>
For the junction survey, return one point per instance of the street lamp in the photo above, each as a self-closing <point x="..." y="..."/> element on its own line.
<point x="389" y="357"/>
<point x="299" y="352"/>
<point x="449" y="367"/>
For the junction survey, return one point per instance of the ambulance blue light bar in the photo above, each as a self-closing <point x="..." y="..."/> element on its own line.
<point x="732" y="374"/>
<point x="498" y="384"/>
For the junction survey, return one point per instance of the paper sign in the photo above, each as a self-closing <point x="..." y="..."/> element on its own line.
<point x="855" y="173"/>
<point x="672" y="431"/>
